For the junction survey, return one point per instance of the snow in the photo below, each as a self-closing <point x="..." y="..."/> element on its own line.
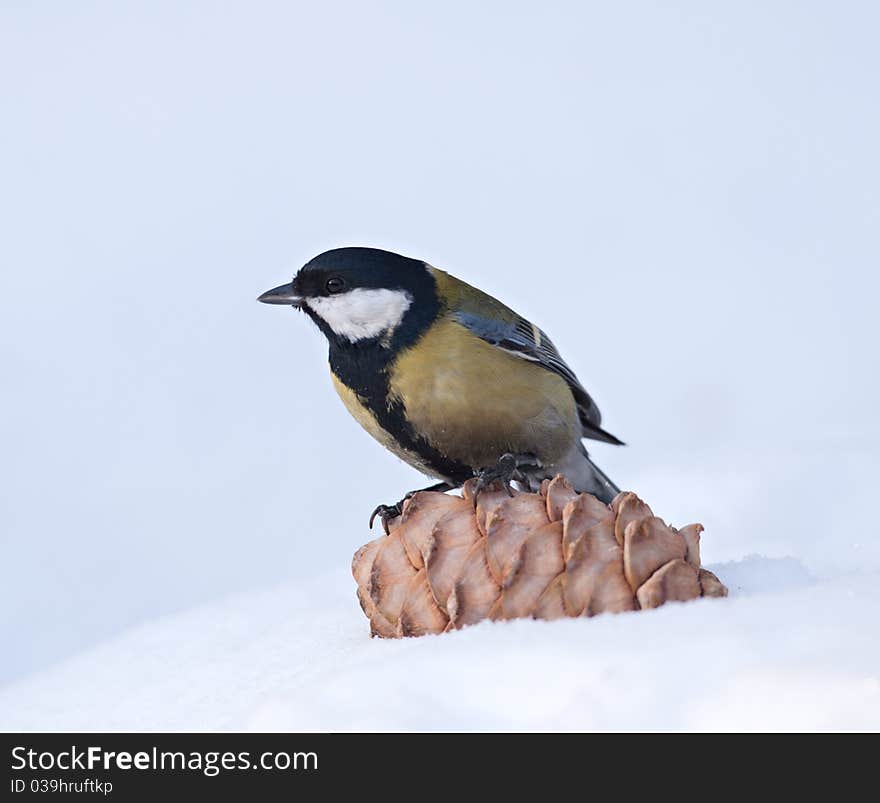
<point x="794" y="647"/>
<point x="686" y="200"/>
<point x="785" y="651"/>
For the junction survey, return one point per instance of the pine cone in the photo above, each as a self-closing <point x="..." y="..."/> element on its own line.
<point x="543" y="555"/>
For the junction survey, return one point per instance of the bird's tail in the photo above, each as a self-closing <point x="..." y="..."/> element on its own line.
<point x="586" y="476"/>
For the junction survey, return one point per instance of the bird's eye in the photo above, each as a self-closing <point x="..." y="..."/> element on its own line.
<point x="335" y="285"/>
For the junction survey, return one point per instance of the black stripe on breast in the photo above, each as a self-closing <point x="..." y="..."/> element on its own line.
<point x="363" y="367"/>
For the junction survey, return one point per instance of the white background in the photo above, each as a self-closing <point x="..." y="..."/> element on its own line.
<point x="684" y="195"/>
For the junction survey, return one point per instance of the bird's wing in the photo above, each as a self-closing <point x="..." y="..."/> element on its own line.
<point x="499" y="325"/>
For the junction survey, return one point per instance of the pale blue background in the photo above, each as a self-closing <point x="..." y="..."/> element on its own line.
<point x="685" y="195"/>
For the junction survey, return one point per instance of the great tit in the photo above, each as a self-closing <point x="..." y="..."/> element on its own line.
<point x="445" y="376"/>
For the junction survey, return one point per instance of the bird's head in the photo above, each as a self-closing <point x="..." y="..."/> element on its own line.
<point x="361" y="294"/>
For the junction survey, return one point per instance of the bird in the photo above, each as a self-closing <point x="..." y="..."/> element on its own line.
<point x="445" y="376"/>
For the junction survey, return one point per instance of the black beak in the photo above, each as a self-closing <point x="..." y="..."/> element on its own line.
<point x="282" y="295"/>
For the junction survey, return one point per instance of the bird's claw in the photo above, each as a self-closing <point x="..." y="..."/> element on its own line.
<point x="386" y="513"/>
<point x="504" y="471"/>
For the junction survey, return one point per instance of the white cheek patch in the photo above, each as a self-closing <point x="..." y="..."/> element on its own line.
<point x="363" y="313"/>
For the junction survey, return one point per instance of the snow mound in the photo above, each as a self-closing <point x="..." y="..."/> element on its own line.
<point x="785" y="651"/>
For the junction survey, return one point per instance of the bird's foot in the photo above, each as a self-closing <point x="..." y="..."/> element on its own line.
<point x="387" y="513"/>
<point x="505" y="471"/>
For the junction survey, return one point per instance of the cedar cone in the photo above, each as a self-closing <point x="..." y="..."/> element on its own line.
<point x="446" y="564"/>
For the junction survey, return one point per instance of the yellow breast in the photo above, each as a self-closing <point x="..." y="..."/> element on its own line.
<point x="474" y="402"/>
